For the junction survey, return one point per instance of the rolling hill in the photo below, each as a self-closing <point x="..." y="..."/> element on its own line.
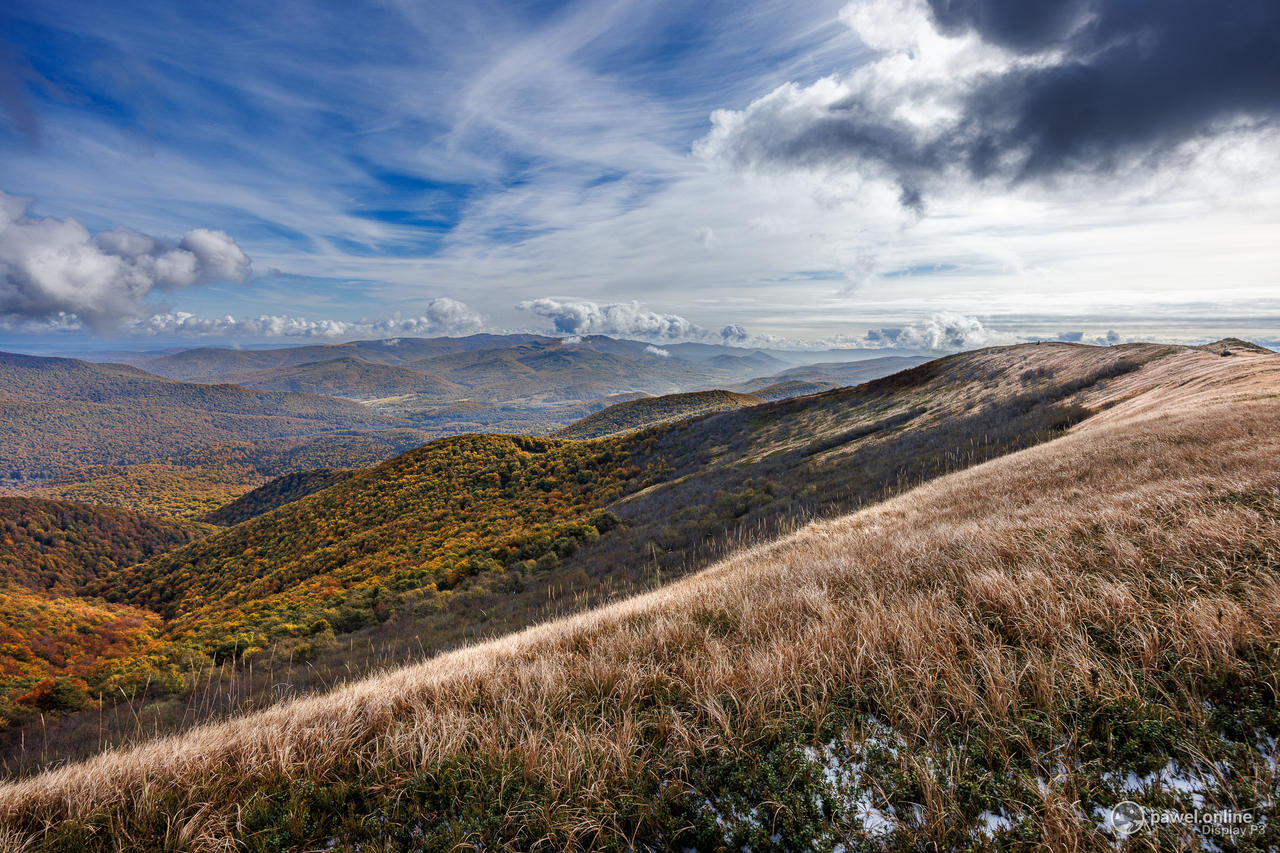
<point x="60" y="414"/>
<point x="996" y="656"/>
<point x="348" y="376"/>
<point x="470" y="535"/>
<point x="278" y="492"/>
<point x="56" y="645"/>
<point x="419" y="375"/>
<point x="652" y="411"/>
<point x="441" y="515"/>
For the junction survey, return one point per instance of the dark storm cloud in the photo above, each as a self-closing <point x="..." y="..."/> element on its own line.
<point x="1026" y="26"/>
<point x="1115" y="83"/>
<point x="1142" y="76"/>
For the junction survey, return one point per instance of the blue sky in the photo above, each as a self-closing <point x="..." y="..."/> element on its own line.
<point x="797" y="170"/>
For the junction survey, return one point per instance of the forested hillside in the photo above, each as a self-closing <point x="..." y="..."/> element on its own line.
<point x="411" y="528"/>
<point x="58" y="648"/>
<point x="61" y="546"/>
<point x="157" y="488"/>
<point x="278" y="492"/>
<point x="61" y="414"/>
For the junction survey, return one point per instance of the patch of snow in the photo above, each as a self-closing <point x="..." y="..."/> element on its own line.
<point x="843" y="774"/>
<point x="875" y="821"/>
<point x="1167" y="778"/>
<point x="994" y="823"/>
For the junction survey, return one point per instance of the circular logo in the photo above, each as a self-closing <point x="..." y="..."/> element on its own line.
<point x="1127" y="818"/>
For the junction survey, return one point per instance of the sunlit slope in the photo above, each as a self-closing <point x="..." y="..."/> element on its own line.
<point x="56" y="648"/>
<point x="653" y="411"/>
<point x="387" y="537"/>
<point x="1003" y="651"/>
<point x="61" y="546"/>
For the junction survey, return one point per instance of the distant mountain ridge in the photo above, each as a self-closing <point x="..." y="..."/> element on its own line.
<point x="425" y="373"/>
<point x="653" y="411"/>
<point x="58" y="414"/>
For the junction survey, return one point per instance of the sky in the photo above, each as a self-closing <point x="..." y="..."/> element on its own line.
<point x="936" y="174"/>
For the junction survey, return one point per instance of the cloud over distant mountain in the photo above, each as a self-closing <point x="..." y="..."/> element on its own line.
<point x="52" y="268"/>
<point x="944" y="330"/>
<point x="627" y="319"/>
<point x="442" y="316"/>
<point x="1016" y="90"/>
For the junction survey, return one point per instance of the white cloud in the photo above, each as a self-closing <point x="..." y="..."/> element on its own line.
<point x="453" y="316"/>
<point x="658" y="351"/>
<point x="941" y="331"/>
<point x="627" y="319"/>
<point x="1109" y="339"/>
<point x="217" y="253"/>
<point x="51" y="268"/>
<point x="442" y="316"/>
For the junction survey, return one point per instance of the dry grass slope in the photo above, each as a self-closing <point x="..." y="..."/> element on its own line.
<point x="983" y="659"/>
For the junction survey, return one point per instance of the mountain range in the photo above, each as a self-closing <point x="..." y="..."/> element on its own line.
<point x="138" y="435"/>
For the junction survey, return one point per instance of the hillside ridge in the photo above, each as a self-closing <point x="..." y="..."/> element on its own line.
<point x="62" y="414"/>
<point x="632" y="415"/>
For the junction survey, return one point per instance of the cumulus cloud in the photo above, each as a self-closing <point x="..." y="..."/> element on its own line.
<point x="627" y="319"/>
<point x="451" y="316"/>
<point x="442" y="316"/>
<point x="1109" y="339"/>
<point x="944" y="330"/>
<point x="658" y="351"/>
<point x="1013" y="90"/>
<point x="52" y="269"/>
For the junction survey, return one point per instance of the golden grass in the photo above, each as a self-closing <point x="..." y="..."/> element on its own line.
<point x="1137" y="557"/>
